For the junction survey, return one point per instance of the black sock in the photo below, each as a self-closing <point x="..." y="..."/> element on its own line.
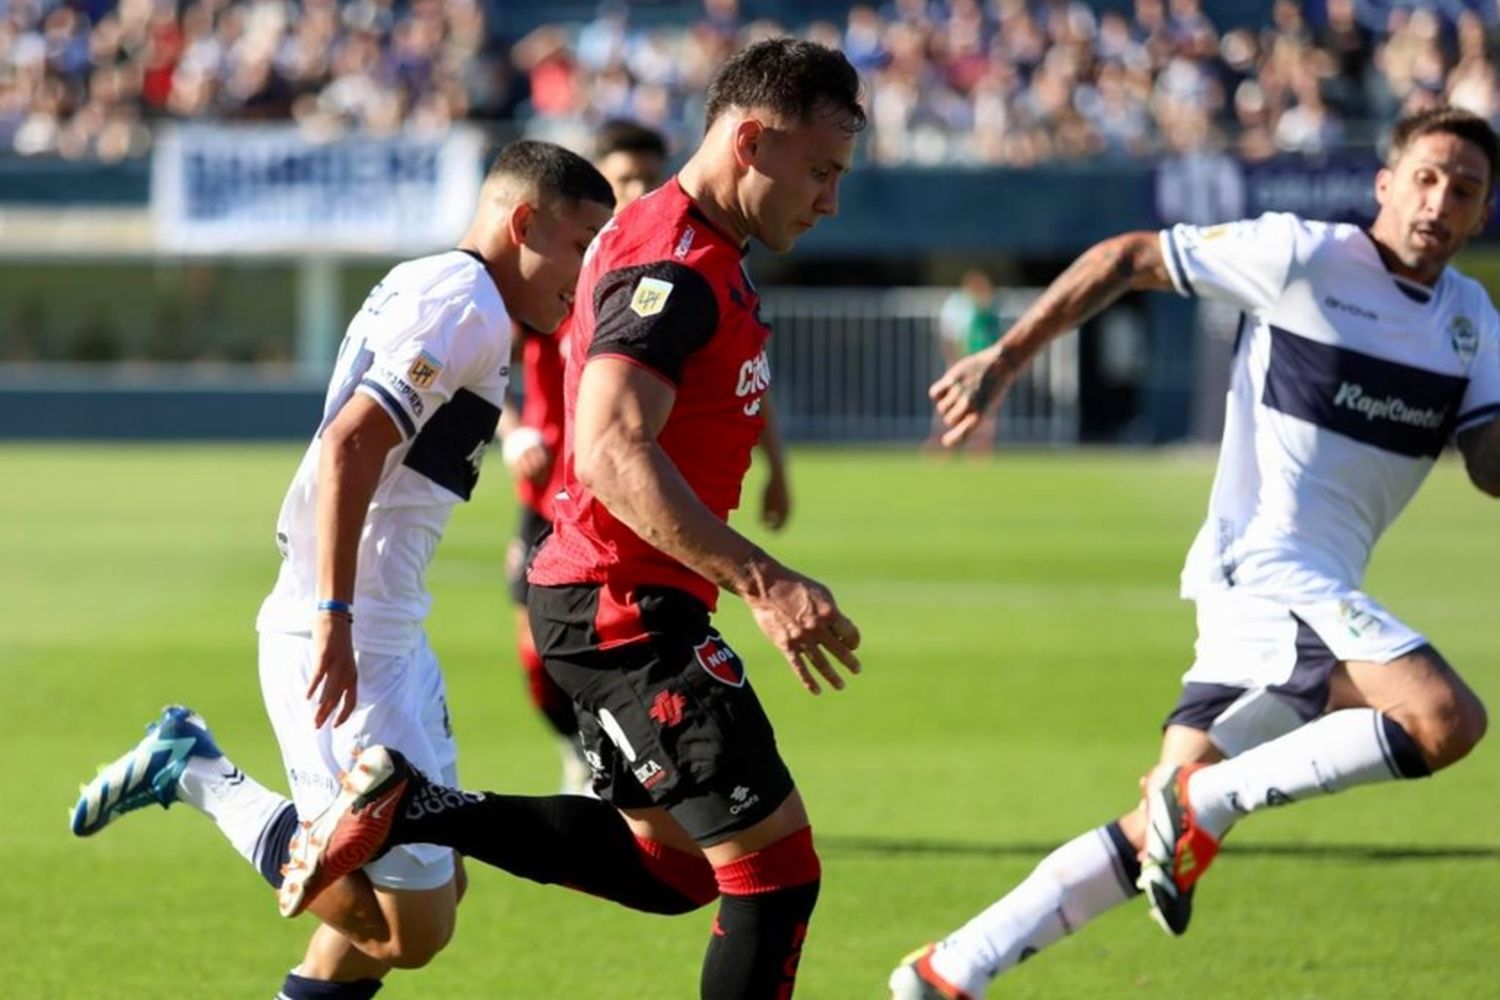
<point x="301" y="988"/>
<point x="757" y="943"/>
<point x="1405" y="755"/>
<point x="1127" y="862"/>
<point x="555" y="839"/>
<point x="271" y="849"/>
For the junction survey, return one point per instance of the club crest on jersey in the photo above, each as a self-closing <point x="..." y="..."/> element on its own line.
<point x="424" y="371"/>
<point x="1464" y="337"/>
<point x="721" y="662"/>
<point x="650" y="297"/>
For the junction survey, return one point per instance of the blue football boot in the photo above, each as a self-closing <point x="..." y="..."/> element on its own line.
<point x="146" y="773"/>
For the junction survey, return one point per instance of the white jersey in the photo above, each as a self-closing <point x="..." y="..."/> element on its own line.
<point x="431" y="345"/>
<point x="1347" y="383"/>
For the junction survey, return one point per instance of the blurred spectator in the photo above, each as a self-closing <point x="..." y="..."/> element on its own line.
<point x="1010" y="82"/>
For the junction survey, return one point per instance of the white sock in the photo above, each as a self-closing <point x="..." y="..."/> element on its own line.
<point x="241" y="806"/>
<point x="1341" y="750"/>
<point x="1071" y="886"/>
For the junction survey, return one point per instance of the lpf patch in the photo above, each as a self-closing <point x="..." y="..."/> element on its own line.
<point x="1464" y="337"/>
<point x="721" y="662"/>
<point x="424" y="371"/>
<point x="650" y="297"/>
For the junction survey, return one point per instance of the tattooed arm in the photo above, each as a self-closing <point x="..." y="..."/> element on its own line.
<point x="1091" y="283"/>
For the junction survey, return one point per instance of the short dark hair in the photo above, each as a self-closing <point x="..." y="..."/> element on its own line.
<point x="555" y="172"/>
<point x="620" y="135"/>
<point x="792" y="77"/>
<point x="1455" y="121"/>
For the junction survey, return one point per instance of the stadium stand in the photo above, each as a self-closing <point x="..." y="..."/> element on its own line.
<point x="948" y="81"/>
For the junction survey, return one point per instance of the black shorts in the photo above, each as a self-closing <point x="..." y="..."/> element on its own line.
<point x="670" y="721"/>
<point x="530" y="530"/>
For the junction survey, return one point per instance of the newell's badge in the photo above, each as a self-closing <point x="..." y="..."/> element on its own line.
<point x="721" y="662"/>
<point x="650" y="297"/>
<point x="424" y="371"/>
<point x="1464" y="337"/>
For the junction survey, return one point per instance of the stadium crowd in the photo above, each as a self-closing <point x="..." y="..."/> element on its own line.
<point x="1015" y="82"/>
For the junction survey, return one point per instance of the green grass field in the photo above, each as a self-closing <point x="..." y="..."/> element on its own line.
<point x="1022" y="640"/>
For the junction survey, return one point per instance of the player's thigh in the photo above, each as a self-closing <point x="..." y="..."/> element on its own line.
<point x="306" y="749"/>
<point x="671" y="724"/>
<point x="1415" y="681"/>
<point x="421" y="922"/>
<point x="403" y="704"/>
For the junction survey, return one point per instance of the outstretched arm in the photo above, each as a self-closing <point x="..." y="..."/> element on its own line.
<point x="1103" y="273"/>
<point x="1481" y="450"/>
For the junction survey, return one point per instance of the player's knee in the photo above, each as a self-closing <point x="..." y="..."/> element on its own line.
<point x="1447" y="727"/>
<point x="412" y="948"/>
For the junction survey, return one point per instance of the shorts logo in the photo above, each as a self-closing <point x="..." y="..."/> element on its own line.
<point x="722" y="663"/>
<point x="743" y="799"/>
<point x="668" y="707"/>
<point x="650" y="297"/>
<point x="424" y="371"/>
<point x="649" y="774"/>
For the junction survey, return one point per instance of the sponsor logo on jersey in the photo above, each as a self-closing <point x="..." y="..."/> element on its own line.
<point x="1333" y="302"/>
<point x="650" y="297"/>
<point x="685" y="243"/>
<point x="1351" y="396"/>
<point x="755" y="379"/>
<point x="424" y="371"/>
<point x="1464" y="337"/>
<point x="721" y="662"/>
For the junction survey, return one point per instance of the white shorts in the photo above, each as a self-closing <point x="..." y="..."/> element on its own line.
<point x="1262" y="667"/>
<point x="402" y="703"/>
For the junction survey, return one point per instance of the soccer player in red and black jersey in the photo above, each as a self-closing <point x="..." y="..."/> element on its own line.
<point x="633" y="158"/>
<point x="665" y="379"/>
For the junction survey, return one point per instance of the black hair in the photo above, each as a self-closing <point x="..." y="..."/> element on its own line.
<point x="555" y="172"/>
<point x="793" y="78"/>
<point x="1455" y="121"/>
<point x="620" y="135"/>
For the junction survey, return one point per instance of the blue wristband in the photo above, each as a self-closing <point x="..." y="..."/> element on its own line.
<point x="337" y="607"/>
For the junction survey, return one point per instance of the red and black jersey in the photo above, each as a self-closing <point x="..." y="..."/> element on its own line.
<point x="543" y="410"/>
<point x="663" y="289"/>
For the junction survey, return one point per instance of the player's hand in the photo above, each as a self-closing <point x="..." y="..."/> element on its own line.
<point x="526" y="456"/>
<point x="967" y="389"/>
<point x="800" y="617"/>
<point x="334" y="671"/>
<point x="776" y="502"/>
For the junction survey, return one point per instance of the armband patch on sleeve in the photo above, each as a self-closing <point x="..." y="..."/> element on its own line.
<point x="424" y="371"/>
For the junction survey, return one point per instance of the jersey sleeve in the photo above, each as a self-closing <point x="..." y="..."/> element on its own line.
<point x="426" y="349"/>
<point x="654" y="315"/>
<point x="1245" y="263"/>
<point x="1481" y="400"/>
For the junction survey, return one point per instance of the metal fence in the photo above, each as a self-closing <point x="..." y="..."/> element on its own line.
<point x="854" y="364"/>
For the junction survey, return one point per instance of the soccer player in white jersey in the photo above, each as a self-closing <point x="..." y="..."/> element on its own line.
<point x="1361" y="353"/>
<point x="344" y="659"/>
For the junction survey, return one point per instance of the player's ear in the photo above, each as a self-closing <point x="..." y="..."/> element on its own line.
<point x="1383" y="178"/>
<point x="749" y="133"/>
<point x="519" y="223"/>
